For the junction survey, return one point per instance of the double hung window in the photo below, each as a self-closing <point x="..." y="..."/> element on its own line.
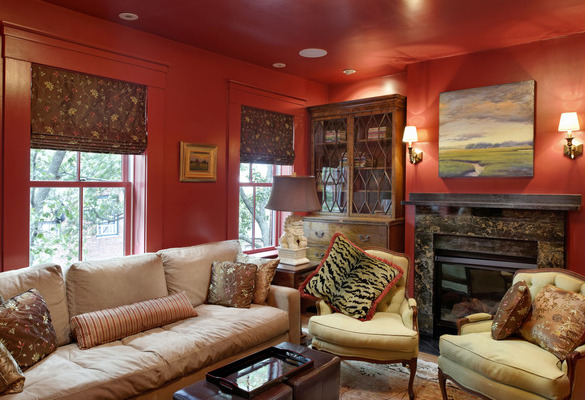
<point x="80" y="205"/>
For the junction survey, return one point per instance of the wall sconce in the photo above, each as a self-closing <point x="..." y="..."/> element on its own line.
<point x="410" y="136"/>
<point x="568" y="123"/>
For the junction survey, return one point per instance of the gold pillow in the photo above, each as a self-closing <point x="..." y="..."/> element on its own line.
<point x="232" y="284"/>
<point x="557" y="321"/>
<point x="11" y="377"/>
<point x="264" y="275"/>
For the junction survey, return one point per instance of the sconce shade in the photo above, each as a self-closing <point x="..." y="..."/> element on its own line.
<point x="410" y="134"/>
<point x="569" y="122"/>
<point x="293" y="193"/>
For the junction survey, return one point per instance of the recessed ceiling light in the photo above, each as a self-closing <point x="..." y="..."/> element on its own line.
<point x="279" y="65"/>
<point x="126" y="16"/>
<point x="349" y="71"/>
<point x="313" y="53"/>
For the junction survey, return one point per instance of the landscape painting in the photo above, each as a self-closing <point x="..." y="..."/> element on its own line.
<point x="487" y="131"/>
<point x="198" y="162"/>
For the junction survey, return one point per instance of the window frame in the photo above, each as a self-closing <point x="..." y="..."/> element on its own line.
<point x="279" y="216"/>
<point x="125" y="183"/>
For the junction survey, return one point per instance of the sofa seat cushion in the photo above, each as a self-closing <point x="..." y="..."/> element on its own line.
<point x="110" y="371"/>
<point x="514" y="362"/>
<point x="216" y="333"/>
<point x="385" y="331"/>
<point x="147" y="360"/>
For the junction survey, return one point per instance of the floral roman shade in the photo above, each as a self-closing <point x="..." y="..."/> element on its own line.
<point x="266" y="137"/>
<point x="81" y="112"/>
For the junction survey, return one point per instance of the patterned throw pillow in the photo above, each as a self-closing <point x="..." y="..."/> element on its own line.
<point x="556" y="322"/>
<point x="104" y="326"/>
<point x="351" y="281"/>
<point x="26" y="328"/>
<point x="264" y="275"/>
<point x="232" y="284"/>
<point x="11" y="377"/>
<point x="512" y="311"/>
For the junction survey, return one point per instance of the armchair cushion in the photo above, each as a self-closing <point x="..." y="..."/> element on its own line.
<point x="512" y="311"/>
<point x="557" y="321"/>
<point x="350" y="280"/>
<point x="385" y="331"/>
<point x="512" y="362"/>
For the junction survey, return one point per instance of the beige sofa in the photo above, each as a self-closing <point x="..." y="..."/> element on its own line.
<point x="155" y="363"/>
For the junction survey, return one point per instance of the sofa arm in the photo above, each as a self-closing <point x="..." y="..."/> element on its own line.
<point x="289" y="300"/>
<point x="480" y="322"/>
<point x="574" y="366"/>
<point x="409" y="313"/>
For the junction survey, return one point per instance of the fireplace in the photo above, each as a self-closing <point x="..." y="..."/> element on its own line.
<point x="462" y="240"/>
<point x="472" y="274"/>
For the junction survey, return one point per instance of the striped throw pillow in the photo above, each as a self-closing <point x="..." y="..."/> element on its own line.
<point x="103" y="326"/>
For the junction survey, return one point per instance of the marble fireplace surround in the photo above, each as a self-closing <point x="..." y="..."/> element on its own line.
<point x="521" y="218"/>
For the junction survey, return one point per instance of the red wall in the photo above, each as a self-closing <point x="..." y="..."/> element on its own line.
<point x="195" y="110"/>
<point x="558" y="67"/>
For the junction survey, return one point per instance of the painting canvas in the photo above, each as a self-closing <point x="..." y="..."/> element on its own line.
<point x="487" y="131"/>
<point x="198" y="162"/>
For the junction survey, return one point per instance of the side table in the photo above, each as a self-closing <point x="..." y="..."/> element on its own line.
<point x="293" y="275"/>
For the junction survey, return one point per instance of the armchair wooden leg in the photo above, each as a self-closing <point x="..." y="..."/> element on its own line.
<point x="412" y="365"/>
<point x="442" y="384"/>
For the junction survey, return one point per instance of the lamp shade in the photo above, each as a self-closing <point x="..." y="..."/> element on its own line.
<point x="569" y="122"/>
<point x="293" y="193"/>
<point x="410" y="134"/>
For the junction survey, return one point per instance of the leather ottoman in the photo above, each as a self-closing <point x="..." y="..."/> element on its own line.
<point x="204" y="390"/>
<point x="321" y="381"/>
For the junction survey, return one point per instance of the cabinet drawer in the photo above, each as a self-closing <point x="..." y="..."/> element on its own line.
<point x="363" y="235"/>
<point x="316" y="252"/>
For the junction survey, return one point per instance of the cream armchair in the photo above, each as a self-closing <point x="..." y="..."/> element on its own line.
<point x="512" y="368"/>
<point x="391" y="336"/>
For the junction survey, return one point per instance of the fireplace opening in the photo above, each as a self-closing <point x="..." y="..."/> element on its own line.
<point x="470" y="282"/>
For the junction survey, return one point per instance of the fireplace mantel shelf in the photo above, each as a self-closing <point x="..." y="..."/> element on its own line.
<point x="558" y="202"/>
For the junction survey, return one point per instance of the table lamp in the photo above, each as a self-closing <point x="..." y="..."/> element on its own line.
<point x="293" y="193"/>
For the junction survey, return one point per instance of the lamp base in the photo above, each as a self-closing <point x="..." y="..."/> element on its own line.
<point x="573" y="151"/>
<point x="293" y="256"/>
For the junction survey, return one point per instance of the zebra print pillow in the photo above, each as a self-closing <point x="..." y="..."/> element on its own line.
<point x="351" y="281"/>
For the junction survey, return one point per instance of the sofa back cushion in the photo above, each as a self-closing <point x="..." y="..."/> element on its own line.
<point x="48" y="280"/>
<point x="114" y="282"/>
<point x="188" y="269"/>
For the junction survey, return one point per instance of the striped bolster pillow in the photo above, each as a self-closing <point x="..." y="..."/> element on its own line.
<point x="103" y="326"/>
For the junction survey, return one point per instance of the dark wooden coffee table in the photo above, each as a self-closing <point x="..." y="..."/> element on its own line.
<point x="320" y="382"/>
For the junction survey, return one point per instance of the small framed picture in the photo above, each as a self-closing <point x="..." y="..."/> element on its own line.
<point x="198" y="162"/>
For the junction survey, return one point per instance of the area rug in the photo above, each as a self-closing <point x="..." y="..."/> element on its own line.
<point x="366" y="381"/>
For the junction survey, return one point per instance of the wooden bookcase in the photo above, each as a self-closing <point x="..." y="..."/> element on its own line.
<point x="358" y="162"/>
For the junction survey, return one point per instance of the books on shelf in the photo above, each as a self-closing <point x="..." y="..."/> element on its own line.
<point x="335" y="135"/>
<point x="359" y="161"/>
<point x="377" y="132"/>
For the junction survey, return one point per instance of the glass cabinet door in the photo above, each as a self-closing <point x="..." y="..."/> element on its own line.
<point x="331" y="168"/>
<point x="372" y="164"/>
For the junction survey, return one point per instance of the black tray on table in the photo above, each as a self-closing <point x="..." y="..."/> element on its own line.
<point x="259" y="371"/>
